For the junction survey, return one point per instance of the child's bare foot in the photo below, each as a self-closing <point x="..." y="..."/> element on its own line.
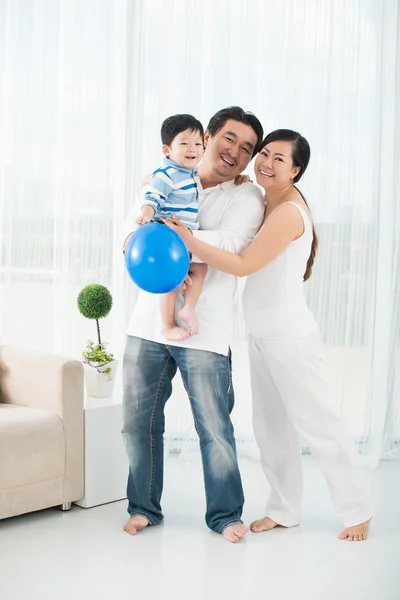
<point x="177" y="333"/>
<point x="234" y="532"/>
<point x="357" y="533"/>
<point x="265" y="524"/>
<point x="188" y="315"/>
<point x="135" y="524"/>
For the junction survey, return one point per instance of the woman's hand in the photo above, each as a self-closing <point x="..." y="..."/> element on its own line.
<point x="240" y="179"/>
<point x="179" y="228"/>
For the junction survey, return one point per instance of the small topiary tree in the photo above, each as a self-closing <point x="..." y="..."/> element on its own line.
<point x="95" y="302"/>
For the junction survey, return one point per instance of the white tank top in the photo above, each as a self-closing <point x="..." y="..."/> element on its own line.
<point x="274" y="304"/>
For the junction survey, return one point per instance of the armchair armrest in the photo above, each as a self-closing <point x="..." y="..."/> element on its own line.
<point x="43" y="381"/>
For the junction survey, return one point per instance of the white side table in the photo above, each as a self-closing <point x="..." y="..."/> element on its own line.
<point x="106" y="462"/>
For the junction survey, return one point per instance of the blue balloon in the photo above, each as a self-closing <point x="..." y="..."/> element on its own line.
<point x="156" y="258"/>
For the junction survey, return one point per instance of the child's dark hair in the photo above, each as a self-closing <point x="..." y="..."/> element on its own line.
<point x="178" y="123"/>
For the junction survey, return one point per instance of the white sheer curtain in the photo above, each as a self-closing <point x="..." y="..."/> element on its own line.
<point x="84" y="88"/>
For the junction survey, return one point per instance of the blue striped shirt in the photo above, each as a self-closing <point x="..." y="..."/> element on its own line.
<point x="173" y="191"/>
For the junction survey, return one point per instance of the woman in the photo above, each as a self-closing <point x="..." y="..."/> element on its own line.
<point x="289" y="392"/>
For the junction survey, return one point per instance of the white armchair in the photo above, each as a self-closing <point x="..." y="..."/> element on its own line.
<point x="41" y="432"/>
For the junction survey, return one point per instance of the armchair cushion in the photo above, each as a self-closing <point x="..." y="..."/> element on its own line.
<point x="32" y="446"/>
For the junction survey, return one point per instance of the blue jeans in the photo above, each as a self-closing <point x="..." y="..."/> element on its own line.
<point x="148" y="370"/>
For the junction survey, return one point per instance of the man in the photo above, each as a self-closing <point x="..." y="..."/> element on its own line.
<point x="229" y="218"/>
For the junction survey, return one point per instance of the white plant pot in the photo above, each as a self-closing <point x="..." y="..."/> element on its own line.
<point x="98" y="383"/>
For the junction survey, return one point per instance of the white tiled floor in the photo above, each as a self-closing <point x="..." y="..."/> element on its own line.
<point x="84" y="554"/>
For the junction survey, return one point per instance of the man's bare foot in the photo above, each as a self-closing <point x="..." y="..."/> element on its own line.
<point x="188" y="315"/>
<point x="177" y="333"/>
<point x="135" y="524"/>
<point x="234" y="532"/>
<point x="265" y="524"/>
<point x="357" y="533"/>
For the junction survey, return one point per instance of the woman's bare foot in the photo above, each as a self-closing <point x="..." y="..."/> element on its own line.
<point x="177" y="333"/>
<point x="188" y="315"/>
<point x="234" y="532"/>
<point x="265" y="524"/>
<point x="357" y="533"/>
<point x="135" y="524"/>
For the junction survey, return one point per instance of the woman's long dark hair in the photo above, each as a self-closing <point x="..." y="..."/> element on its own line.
<point x="300" y="157"/>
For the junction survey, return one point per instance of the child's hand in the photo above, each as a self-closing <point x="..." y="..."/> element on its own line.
<point x="239" y="179"/>
<point x="146" y="215"/>
<point x="142" y="220"/>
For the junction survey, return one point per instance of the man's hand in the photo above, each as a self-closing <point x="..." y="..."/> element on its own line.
<point x="187" y="281"/>
<point x="126" y="242"/>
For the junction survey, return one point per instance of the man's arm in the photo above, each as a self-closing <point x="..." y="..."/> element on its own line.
<point x="131" y="222"/>
<point x="240" y="222"/>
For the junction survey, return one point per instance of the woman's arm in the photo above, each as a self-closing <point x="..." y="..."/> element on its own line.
<point x="238" y="224"/>
<point x="279" y="230"/>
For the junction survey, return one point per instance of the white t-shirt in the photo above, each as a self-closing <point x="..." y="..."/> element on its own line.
<point x="229" y="217"/>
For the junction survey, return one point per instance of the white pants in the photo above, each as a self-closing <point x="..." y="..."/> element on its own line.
<point x="290" y="398"/>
